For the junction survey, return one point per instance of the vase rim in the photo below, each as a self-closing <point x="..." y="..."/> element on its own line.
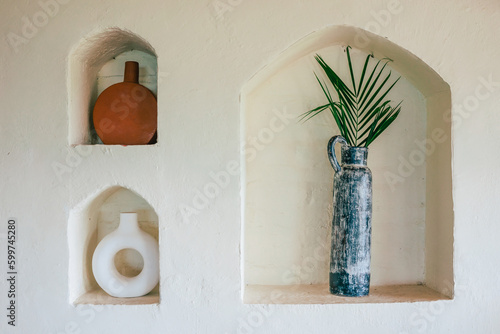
<point x="354" y="155"/>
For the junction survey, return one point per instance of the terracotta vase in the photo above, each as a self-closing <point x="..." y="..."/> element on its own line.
<point x="126" y="113"/>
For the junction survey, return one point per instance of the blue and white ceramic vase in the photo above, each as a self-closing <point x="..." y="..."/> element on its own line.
<point x="351" y="225"/>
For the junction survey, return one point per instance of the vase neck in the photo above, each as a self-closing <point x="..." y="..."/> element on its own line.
<point x="131" y="73"/>
<point x="352" y="155"/>
<point x="128" y="222"/>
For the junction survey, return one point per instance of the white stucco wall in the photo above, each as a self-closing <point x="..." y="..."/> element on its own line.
<point x="207" y="51"/>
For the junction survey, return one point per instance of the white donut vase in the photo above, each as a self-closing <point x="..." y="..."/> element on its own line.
<point x="127" y="235"/>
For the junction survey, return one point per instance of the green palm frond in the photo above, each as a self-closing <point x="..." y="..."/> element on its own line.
<point x="361" y="113"/>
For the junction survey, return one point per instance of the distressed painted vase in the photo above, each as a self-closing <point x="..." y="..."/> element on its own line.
<point x="351" y="224"/>
<point x="128" y="235"/>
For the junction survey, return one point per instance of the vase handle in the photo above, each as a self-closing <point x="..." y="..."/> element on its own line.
<point x="331" y="151"/>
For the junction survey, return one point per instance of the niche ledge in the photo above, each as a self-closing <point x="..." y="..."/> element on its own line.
<point x="319" y="294"/>
<point x="99" y="297"/>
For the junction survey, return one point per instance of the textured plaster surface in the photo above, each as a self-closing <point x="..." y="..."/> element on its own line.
<point x="205" y="60"/>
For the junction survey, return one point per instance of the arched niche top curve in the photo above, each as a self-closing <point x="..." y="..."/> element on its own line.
<point x="422" y="76"/>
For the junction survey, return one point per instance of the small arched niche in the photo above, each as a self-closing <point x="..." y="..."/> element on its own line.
<point x="96" y="63"/>
<point x="287" y="179"/>
<point x="89" y="222"/>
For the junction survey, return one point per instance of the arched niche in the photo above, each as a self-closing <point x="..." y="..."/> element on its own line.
<point x="287" y="179"/>
<point x="89" y="222"/>
<point x="97" y="62"/>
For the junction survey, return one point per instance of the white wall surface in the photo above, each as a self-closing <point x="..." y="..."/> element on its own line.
<point x="207" y="51"/>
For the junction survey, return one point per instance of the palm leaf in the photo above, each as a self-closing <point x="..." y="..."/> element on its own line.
<point x="363" y="72"/>
<point x="366" y="121"/>
<point x="363" y="112"/>
<point x="350" y="69"/>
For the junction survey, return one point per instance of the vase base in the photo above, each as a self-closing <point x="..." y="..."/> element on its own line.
<point x="343" y="284"/>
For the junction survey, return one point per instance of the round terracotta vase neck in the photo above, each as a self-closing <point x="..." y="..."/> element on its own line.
<point x="126" y="113"/>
